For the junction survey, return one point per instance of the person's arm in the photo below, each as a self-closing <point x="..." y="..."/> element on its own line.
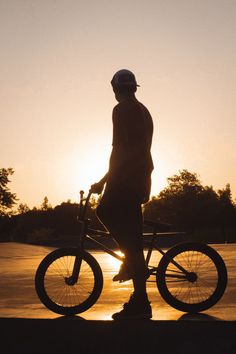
<point x="98" y="187"/>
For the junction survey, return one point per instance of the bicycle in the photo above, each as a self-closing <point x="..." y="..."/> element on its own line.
<point x="191" y="276"/>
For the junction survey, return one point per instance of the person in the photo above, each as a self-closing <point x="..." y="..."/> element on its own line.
<point x="127" y="187"/>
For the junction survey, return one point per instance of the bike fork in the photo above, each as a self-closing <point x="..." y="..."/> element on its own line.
<point x="72" y="280"/>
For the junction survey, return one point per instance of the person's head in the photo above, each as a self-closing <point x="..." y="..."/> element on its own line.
<point x="124" y="84"/>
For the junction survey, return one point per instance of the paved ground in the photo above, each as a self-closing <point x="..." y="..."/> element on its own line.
<point x="26" y="326"/>
<point x="18" y="299"/>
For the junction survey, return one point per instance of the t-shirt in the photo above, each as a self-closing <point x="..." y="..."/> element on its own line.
<point x="131" y="163"/>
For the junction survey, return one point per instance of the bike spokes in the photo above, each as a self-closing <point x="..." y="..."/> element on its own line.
<point x="204" y="277"/>
<point x="59" y="287"/>
<point x="201" y="283"/>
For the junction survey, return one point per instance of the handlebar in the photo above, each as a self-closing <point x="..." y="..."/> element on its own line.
<point x="83" y="204"/>
<point x="82" y="199"/>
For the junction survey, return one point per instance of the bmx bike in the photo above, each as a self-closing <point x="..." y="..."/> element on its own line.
<point x="191" y="276"/>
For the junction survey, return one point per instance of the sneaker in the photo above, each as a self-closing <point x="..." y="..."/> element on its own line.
<point x="124" y="273"/>
<point x="134" y="310"/>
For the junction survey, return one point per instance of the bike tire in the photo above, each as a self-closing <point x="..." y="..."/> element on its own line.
<point x="204" y="265"/>
<point x="56" y="294"/>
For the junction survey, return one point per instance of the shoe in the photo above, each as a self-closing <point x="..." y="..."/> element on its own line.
<point x="124" y="273"/>
<point x="135" y="309"/>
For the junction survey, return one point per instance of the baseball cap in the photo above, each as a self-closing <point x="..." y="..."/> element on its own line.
<point x="124" y="77"/>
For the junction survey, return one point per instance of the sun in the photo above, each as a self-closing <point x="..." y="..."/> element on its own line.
<point x="84" y="169"/>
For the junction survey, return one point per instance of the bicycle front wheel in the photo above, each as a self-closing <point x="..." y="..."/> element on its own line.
<point x="57" y="293"/>
<point x="191" y="277"/>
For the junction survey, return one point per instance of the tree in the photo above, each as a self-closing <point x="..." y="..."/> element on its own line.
<point x="208" y="207"/>
<point x="226" y="207"/>
<point x="23" y="208"/>
<point x="7" y="199"/>
<point x="179" y="200"/>
<point x="45" y="205"/>
<point x="187" y="204"/>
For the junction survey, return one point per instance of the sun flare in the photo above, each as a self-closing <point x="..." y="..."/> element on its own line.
<point x="82" y="171"/>
<point x="113" y="263"/>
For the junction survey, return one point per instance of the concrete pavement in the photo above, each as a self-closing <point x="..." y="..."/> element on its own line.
<point x="27" y="326"/>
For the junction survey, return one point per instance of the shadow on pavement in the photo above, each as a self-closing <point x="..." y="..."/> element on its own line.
<point x="184" y="317"/>
<point x="198" y="317"/>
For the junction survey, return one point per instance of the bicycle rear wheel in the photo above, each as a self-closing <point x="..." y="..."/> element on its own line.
<point x="54" y="289"/>
<point x="191" y="277"/>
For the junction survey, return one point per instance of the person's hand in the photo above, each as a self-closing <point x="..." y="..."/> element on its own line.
<point x="97" y="188"/>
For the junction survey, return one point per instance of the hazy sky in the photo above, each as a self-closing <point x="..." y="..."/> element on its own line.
<point x="57" y="60"/>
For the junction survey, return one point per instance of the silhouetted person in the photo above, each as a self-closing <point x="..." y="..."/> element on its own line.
<point x="128" y="184"/>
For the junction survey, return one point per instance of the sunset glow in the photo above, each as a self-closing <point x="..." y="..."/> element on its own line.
<point x="113" y="263"/>
<point x="57" y="60"/>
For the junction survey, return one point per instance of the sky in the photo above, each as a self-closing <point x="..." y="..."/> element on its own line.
<point x="57" y="60"/>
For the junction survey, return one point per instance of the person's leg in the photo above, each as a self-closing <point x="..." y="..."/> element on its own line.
<point x="132" y="241"/>
<point x="130" y="236"/>
<point x="138" y="306"/>
<point x="112" y="217"/>
<point x="139" y="273"/>
<point x="124" y="220"/>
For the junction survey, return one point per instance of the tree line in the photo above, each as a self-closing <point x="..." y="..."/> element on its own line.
<point x="188" y="205"/>
<point x="185" y="204"/>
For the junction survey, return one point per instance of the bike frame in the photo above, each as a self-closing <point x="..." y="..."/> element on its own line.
<point x="86" y="232"/>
